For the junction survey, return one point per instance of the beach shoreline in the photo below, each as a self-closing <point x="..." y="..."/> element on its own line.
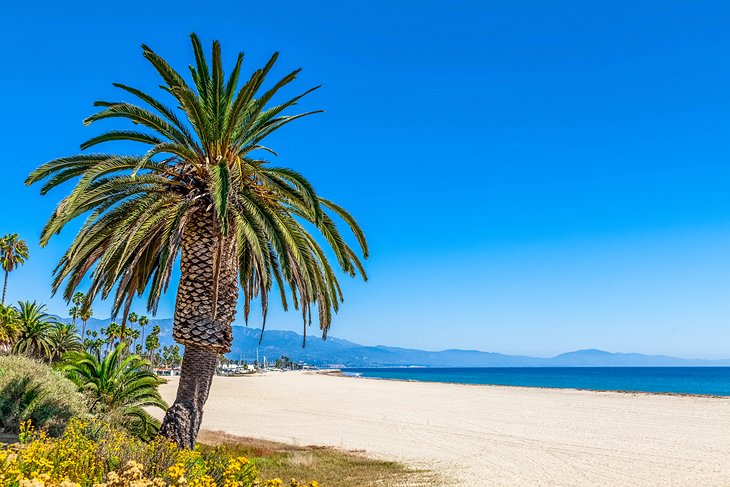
<point x="340" y="373"/>
<point x="494" y="435"/>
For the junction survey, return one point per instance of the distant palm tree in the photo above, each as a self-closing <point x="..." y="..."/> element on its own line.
<point x="77" y="308"/>
<point x="36" y="326"/>
<point x="13" y="253"/>
<point x="143" y="321"/>
<point x="62" y="339"/>
<point x="86" y="314"/>
<point x="201" y="191"/>
<point x="132" y="318"/>
<point x="152" y="343"/>
<point x="120" y="388"/>
<point x="112" y="333"/>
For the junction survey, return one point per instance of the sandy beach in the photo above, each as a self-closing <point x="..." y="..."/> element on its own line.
<point x="486" y="435"/>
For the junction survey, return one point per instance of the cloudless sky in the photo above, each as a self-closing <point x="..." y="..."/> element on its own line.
<point x="533" y="177"/>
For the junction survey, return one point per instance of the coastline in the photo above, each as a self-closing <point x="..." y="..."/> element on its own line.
<point x="340" y="373"/>
<point x="498" y="435"/>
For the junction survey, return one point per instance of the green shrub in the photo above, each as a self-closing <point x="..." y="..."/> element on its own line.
<point x="30" y="390"/>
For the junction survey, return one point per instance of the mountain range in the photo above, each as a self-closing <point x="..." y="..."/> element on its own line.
<point x="336" y="352"/>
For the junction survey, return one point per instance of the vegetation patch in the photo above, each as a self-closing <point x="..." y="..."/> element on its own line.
<point x="94" y="454"/>
<point x="330" y="466"/>
<point x="30" y="390"/>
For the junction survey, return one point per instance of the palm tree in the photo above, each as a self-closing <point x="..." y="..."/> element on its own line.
<point x="111" y="332"/>
<point x="62" y="339"/>
<point x="93" y="343"/>
<point x="132" y="318"/>
<point x="152" y="343"/>
<point x="13" y="253"/>
<point x="203" y="191"/>
<point x="86" y="314"/>
<point x="143" y="321"/>
<point x="119" y="387"/>
<point x="36" y="326"/>
<point x="9" y="327"/>
<point x="77" y="308"/>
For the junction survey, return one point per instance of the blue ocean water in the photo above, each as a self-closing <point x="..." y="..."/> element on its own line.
<point x="681" y="380"/>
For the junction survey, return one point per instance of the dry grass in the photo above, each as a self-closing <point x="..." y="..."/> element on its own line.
<point x="329" y="466"/>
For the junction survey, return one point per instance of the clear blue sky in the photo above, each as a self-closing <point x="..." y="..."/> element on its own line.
<point x="534" y="177"/>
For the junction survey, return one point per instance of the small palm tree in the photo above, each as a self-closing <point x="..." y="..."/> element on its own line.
<point x="120" y="388"/>
<point x="36" y="326"/>
<point x="63" y="338"/>
<point x="9" y="327"/>
<point x="13" y="253"/>
<point x="202" y="191"/>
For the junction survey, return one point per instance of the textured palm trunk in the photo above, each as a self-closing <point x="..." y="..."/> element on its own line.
<point x="5" y="286"/>
<point x="203" y="328"/>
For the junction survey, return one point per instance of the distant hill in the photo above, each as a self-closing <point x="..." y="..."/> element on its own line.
<point x="336" y="352"/>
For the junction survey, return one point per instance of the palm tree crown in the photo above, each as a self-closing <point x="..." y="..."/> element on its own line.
<point x="13" y="253"/>
<point x="204" y="166"/>
<point x="35" y="330"/>
<point x="63" y="338"/>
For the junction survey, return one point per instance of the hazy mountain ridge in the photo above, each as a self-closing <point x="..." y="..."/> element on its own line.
<point x="343" y="353"/>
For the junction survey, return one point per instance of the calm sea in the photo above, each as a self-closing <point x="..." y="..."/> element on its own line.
<point x="685" y="380"/>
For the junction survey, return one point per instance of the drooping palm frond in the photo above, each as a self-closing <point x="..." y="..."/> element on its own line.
<point x="200" y="151"/>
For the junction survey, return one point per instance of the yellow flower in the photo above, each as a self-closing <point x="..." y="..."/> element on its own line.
<point x="176" y="471"/>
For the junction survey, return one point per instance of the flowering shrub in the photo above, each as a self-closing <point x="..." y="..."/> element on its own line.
<point x="90" y="454"/>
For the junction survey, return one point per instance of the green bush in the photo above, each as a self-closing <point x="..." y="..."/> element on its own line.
<point x="30" y="390"/>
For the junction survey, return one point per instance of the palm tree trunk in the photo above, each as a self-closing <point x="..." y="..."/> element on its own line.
<point x="141" y="341"/>
<point x="203" y="328"/>
<point x="5" y="287"/>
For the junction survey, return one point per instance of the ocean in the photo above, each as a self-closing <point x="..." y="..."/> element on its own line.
<point x="680" y="380"/>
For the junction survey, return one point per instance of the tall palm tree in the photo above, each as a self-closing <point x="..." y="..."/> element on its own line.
<point x="120" y="388"/>
<point x="86" y="314"/>
<point x="78" y="303"/>
<point x="132" y="318"/>
<point x="143" y="321"/>
<point x="13" y="253"/>
<point x="36" y="326"/>
<point x="201" y="190"/>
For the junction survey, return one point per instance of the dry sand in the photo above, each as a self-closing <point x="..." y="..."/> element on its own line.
<point x="486" y="435"/>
